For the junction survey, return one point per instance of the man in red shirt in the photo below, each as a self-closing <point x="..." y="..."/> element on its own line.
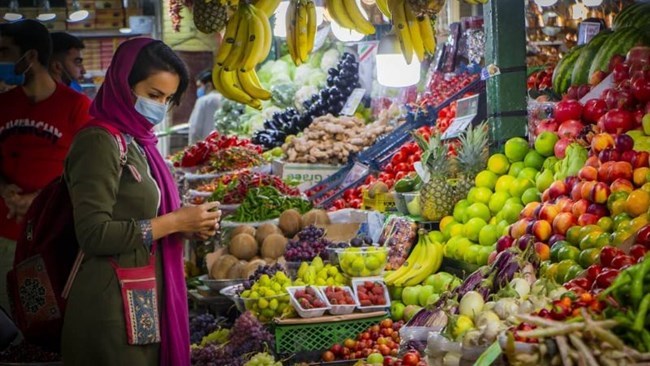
<point x="38" y="120"/>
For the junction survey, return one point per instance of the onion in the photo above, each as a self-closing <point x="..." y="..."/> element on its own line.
<point x="487" y="317"/>
<point x="506" y="307"/>
<point x="451" y="359"/>
<point x="471" y="304"/>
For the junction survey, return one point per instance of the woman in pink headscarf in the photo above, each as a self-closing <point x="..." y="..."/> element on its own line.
<point x="128" y="303"/>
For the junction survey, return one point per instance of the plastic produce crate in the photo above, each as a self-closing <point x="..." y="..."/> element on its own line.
<point x="382" y="202"/>
<point x="292" y="339"/>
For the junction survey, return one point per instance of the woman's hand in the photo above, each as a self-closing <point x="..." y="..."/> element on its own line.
<point x="202" y="219"/>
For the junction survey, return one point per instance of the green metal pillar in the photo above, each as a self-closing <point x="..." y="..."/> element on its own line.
<point x="506" y="48"/>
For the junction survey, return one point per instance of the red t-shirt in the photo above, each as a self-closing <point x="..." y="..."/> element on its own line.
<point x="34" y="140"/>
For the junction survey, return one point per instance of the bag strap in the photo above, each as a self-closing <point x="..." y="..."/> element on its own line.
<point x="122" y="147"/>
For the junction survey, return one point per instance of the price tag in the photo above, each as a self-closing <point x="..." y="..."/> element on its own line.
<point x="466" y="110"/>
<point x="595" y="92"/>
<point x="353" y="102"/>
<point x="358" y="170"/>
<point x="587" y="31"/>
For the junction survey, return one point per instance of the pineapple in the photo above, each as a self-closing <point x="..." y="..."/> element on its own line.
<point x="428" y="7"/>
<point x="210" y="16"/>
<point x="437" y="194"/>
<point x="472" y="157"/>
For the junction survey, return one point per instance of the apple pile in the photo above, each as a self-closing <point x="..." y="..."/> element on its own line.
<point x="308" y="299"/>
<point x="371" y="293"/>
<point x="382" y="338"/>
<point x="339" y="296"/>
<point x="407" y="301"/>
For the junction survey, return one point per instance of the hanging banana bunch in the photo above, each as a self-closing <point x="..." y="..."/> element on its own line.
<point x="348" y="15"/>
<point x="413" y="26"/>
<point x="476" y="2"/>
<point x="301" y="29"/>
<point x="246" y="43"/>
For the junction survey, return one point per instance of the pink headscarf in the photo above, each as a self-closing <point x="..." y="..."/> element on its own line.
<point x="114" y="105"/>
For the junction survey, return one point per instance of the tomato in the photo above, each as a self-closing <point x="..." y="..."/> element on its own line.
<point x="401" y="167"/>
<point x="605" y="279"/>
<point x="607" y="254"/>
<point x="400" y="175"/>
<point x="638" y="251"/>
<point x="412" y="159"/>
<point x="369" y="180"/>
<point x="398" y="158"/>
<point x="411" y="359"/>
<point x="593" y="271"/>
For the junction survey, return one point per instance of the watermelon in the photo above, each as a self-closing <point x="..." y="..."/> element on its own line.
<point x="562" y="74"/>
<point x="634" y="15"/>
<point x="580" y="75"/>
<point x="617" y="44"/>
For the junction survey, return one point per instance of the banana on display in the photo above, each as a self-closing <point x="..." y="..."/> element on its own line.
<point x="414" y="29"/>
<point x="246" y="43"/>
<point x="347" y="14"/>
<point x="475" y="2"/>
<point x="301" y="29"/>
<point x="425" y="259"/>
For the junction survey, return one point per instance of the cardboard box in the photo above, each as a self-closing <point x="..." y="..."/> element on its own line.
<point x="307" y="174"/>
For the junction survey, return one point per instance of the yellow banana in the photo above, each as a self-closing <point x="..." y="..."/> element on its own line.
<point x="383" y="7"/>
<point x="236" y="56"/>
<point x="339" y="15"/>
<point x="267" y="6"/>
<point x="414" y="31"/>
<point x="400" y="24"/>
<point x="268" y="34"/>
<point x="228" y="39"/>
<point x="235" y="91"/>
<point x="428" y="265"/>
<point x="255" y="45"/>
<point x="411" y="261"/>
<point x="418" y="268"/>
<point x="301" y="32"/>
<point x="362" y="25"/>
<point x="312" y="24"/>
<point x="428" y="34"/>
<point x="250" y="84"/>
<point x="291" y="33"/>
<point x="216" y="79"/>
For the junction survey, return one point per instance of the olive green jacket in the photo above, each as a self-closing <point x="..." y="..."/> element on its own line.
<point x="108" y="203"/>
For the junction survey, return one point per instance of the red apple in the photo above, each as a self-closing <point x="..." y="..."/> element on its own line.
<point x="570" y="128"/>
<point x="504" y="243"/>
<point x="617" y="121"/>
<point x="593" y="110"/>
<point x="567" y="110"/>
<point x="548" y="124"/>
<point x="560" y="147"/>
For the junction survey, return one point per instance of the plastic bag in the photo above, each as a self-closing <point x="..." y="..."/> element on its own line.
<point x="415" y="338"/>
<point x="399" y="235"/>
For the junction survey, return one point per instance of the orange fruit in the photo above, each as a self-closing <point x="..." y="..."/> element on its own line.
<point x="637" y="203"/>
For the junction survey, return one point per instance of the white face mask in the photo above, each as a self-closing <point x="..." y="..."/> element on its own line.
<point x="153" y="111"/>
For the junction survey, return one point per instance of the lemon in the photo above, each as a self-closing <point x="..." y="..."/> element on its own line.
<point x="373" y="263"/>
<point x="503" y="183"/>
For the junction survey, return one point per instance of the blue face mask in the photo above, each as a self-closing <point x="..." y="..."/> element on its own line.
<point x="74" y="85"/>
<point x="200" y="91"/>
<point x="8" y="73"/>
<point x="153" y="111"/>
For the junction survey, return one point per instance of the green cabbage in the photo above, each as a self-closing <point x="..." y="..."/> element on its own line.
<point x="574" y="159"/>
<point x="282" y="94"/>
<point x="330" y="59"/>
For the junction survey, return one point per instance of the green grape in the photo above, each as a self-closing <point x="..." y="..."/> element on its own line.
<point x="219" y="336"/>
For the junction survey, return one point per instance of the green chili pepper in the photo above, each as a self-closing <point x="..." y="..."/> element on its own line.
<point x="639" y="320"/>
<point x="636" y="292"/>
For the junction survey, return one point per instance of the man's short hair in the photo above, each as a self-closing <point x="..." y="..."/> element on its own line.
<point x="63" y="42"/>
<point x="28" y="35"/>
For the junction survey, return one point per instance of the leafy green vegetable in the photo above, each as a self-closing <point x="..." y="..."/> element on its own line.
<point x="265" y="203"/>
<point x="575" y="158"/>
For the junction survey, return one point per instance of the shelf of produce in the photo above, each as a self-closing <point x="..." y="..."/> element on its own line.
<point x="293" y="336"/>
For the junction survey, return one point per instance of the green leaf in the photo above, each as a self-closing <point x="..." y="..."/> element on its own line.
<point x="490" y="355"/>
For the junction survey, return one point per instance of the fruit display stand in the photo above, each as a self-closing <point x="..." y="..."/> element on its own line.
<point x="304" y="336"/>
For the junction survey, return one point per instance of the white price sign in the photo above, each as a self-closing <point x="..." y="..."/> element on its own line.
<point x="358" y="170"/>
<point x="353" y="102"/>
<point x="466" y="110"/>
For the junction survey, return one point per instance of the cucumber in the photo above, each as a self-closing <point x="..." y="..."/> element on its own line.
<point x="580" y="74"/>
<point x="617" y="44"/>
<point x="562" y="74"/>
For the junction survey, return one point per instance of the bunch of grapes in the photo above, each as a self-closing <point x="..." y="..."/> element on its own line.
<point x="247" y="336"/>
<point x="262" y="359"/>
<point x="263" y="270"/>
<point x="26" y="352"/>
<point x="310" y="244"/>
<point x="201" y="325"/>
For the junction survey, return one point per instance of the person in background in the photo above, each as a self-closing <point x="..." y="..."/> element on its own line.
<point x="38" y="120"/>
<point x="128" y="214"/>
<point x="67" y="63"/>
<point x="208" y="101"/>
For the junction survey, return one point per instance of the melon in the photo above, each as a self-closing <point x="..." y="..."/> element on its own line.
<point x="221" y="267"/>
<point x="243" y="246"/>
<point x="315" y="217"/>
<point x="242" y="229"/>
<point x="274" y="246"/>
<point x="265" y="230"/>
<point x="290" y="222"/>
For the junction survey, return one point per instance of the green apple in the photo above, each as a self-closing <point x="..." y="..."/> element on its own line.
<point x="397" y="310"/>
<point x="395" y="292"/>
<point x="375" y="359"/>
<point x="545" y="143"/>
<point x="410" y="295"/>
<point x="433" y="299"/>
<point x="425" y="292"/>
<point x="645" y="121"/>
<point x="534" y="159"/>
<point x="414" y="207"/>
